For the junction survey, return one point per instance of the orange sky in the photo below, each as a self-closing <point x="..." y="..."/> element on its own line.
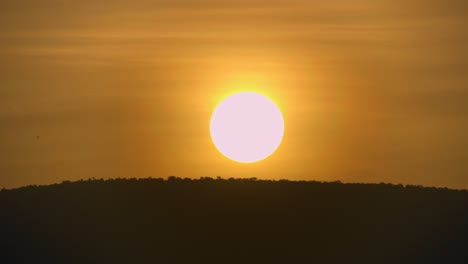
<point x="371" y="91"/>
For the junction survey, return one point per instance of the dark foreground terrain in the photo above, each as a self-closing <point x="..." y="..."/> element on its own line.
<point x="232" y="221"/>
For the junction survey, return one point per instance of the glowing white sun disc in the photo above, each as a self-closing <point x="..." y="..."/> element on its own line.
<point x="247" y="127"/>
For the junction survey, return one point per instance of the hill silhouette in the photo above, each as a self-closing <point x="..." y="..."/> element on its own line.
<point x="232" y="221"/>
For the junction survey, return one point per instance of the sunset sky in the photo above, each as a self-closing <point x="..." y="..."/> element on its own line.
<point x="370" y="91"/>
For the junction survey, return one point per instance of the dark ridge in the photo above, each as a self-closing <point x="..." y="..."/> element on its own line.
<point x="220" y="179"/>
<point x="215" y="220"/>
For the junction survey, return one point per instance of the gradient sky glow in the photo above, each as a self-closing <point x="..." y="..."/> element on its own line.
<point x="371" y="90"/>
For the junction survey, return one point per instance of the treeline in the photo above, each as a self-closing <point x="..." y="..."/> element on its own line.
<point x="218" y="220"/>
<point x="218" y="179"/>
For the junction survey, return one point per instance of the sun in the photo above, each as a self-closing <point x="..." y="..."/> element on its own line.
<point x="247" y="127"/>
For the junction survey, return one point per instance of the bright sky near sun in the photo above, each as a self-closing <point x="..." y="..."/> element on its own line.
<point x="370" y="91"/>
